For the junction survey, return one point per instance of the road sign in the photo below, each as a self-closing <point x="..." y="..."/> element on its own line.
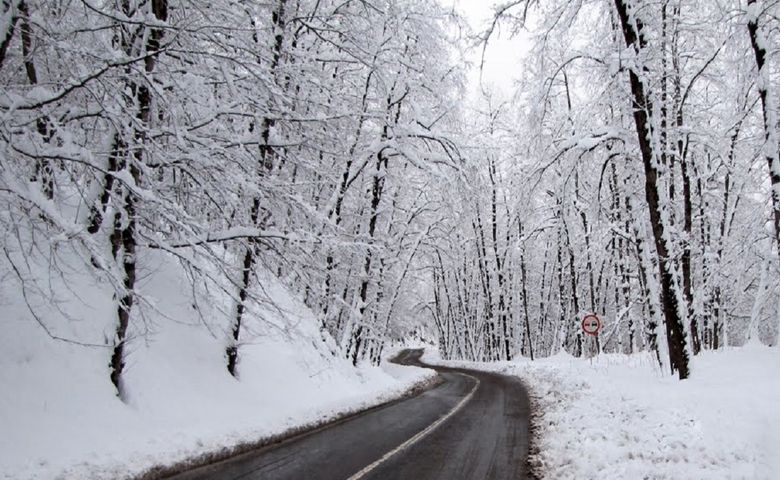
<point x="591" y="324"/>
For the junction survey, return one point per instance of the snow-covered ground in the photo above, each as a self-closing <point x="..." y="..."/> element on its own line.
<point x="611" y="417"/>
<point x="617" y="417"/>
<point x="60" y="417"/>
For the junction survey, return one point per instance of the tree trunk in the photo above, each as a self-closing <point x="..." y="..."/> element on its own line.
<point x="506" y="351"/>
<point x="686" y="255"/>
<point x="9" y="18"/>
<point x="44" y="174"/>
<point x="575" y="298"/>
<point x="686" y="169"/>
<point x="564" y="322"/>
<point x="377" y="188"/>
<point x="588" y="257"/>
<point x="771" y="145"/>
<point x="670" y="300"/>
<point x="123" y="236"/>
<point x="265" y="165"/>
<point x="346" y="180"/>
<point x="489" y="331"/>
<point x="524" y="287"/>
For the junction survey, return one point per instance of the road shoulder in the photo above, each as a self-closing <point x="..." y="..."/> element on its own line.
<point x="230" y="452"/>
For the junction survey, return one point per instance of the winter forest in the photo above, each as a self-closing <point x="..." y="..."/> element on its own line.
<point x="633" y="171"/>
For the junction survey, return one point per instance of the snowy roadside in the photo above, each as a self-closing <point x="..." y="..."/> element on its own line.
<point x="407" y="381"/>
<point x="60" y="417"/>
<point x="617" y="417"/>
<point x="172" y="431"/>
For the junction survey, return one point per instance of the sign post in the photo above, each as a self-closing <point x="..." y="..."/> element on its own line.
<point x="591" y="324"/>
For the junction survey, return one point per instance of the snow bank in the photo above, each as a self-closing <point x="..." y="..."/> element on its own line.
<point x="617" y="417"/>
<point x="60" y="417"/>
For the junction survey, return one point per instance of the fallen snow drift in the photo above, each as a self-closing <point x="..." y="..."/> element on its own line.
<point x="617" y="417"/>
<point x="60" y="417"/>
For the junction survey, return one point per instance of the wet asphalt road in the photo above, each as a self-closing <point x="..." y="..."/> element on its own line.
<point x="480" y="432"/>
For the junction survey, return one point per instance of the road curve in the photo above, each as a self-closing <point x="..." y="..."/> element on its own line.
<point x="471" y="426"/>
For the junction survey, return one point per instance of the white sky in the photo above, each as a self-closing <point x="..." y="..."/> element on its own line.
<point x="502" y="57"/>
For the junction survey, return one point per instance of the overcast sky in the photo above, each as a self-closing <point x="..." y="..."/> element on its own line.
<point x="502" y="55"/>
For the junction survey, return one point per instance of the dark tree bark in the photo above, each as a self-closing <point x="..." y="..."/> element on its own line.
<point x="771" y="147"/>
<point x="632" y="28"/>
<point x="524" y="292"/>
<point x="503" y="322"/>
<point x="7" y="11"/>
<point x="620" y="269"/>
<point x="124" y="243"/>
<point x="393" y="112"/>
<point x="347" y="178"/>
<point x="98" y="211"/>
<point x="265" y="165"/>
<point x="564" y="323"/>
<point x="718" y="312"/>
<point x="44" y="174"/>
<point x="588" y="256"/>
<point x="377" y="188"/>
<point x="705" y="233"/>
<point x="489" y="330"/>
<point x="686" y="255"/>
<point x="575" y="297"/>
<point x="545" y="301"/>
<point x="686" y="168"/>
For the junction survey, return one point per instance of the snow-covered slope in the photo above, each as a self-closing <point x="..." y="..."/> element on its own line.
<point x="616" y="417"/>
<point x="60" y="417"/>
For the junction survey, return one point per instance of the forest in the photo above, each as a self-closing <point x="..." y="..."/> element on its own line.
<point x="632" y="172"/>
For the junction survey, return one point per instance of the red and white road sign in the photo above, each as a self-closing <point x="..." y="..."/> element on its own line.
<point x="591" y="324"/>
